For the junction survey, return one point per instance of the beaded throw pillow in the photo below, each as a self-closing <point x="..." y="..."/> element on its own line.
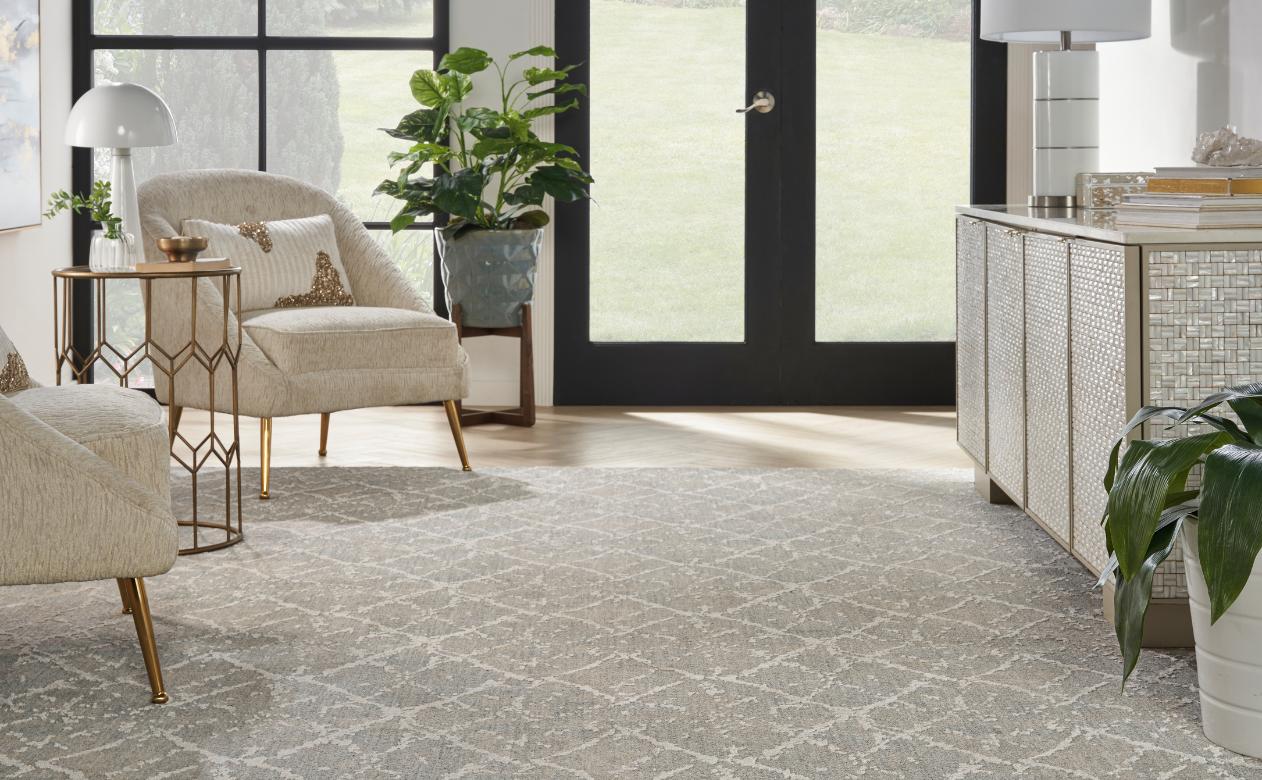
<point x="284" y="264"/>
<point x="13" y="375"/>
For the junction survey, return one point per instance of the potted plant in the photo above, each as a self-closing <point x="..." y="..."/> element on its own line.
<point x="487" y="170"/>
<point x="111" y="248"/>
<point x="1150" y="503"/>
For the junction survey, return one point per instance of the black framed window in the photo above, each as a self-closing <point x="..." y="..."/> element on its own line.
<point x="296" y="87"/>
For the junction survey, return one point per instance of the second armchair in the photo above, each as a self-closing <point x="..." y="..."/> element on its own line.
<point x="389" y="349"/>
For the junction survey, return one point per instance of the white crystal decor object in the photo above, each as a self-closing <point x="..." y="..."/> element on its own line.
<point x="1225" y="147"/>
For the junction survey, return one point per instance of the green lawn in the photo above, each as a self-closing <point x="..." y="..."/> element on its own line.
<point x="668" y="157"/>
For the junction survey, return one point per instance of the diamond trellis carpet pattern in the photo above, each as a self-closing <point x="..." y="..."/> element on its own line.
<point x="603" y="623"/>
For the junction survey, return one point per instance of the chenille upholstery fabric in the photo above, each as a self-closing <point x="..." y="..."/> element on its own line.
<point x="84" y="476"/>
<point x="378" y="376"/>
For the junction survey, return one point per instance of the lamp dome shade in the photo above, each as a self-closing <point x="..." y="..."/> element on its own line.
<point x="120" y="116"/>
<point x="1042" y="21"/>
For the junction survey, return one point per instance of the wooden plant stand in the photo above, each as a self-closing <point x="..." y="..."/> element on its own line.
<point x="524" y="414"/>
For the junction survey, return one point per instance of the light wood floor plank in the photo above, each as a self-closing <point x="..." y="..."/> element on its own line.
<point x="755" y="437"/>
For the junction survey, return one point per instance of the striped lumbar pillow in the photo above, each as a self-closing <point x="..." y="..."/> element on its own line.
<point x="285" y="263"/>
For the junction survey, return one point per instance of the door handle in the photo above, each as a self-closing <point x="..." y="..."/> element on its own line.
<point x="763" y="103"/>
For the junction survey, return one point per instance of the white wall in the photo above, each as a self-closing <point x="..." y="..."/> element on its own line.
<point x="502" y="27"/>
<point x="27" y="256"/>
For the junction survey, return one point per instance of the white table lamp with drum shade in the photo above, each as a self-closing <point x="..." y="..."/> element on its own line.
<point x="1066" y="83"/>
<point x="121" y="117"/>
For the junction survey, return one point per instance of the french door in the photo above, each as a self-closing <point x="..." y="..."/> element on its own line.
<point x="771" y="221"/>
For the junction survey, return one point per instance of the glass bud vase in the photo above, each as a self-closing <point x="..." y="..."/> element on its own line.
<point x="112" y="254"/>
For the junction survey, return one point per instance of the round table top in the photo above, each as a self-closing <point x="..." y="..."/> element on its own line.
<point x="84" y="272"/>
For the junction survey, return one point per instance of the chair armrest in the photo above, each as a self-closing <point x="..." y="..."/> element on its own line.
<point x="376" y="279"/>
<point x="68" y="515"/>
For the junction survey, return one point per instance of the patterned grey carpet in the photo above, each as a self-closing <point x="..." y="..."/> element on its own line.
<point x="603" y="623"/>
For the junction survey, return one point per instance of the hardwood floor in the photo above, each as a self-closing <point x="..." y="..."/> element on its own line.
<point x="758" y="437"/>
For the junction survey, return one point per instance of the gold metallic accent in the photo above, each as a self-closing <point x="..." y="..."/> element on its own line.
<point x="265" y="446"/>
<point x="453" y="419"/>
<point x="14" y="376"/>
<point x="182" y="249"/>
<point x="122" y="592"/>
<point x="135" y="589"/>
<point x="216" y="349"/>
<point x="324" y="434"/>
<point x="326" y="288"/>
<point x="256" y="232"/>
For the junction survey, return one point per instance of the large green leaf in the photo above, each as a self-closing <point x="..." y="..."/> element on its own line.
<point x="558" y="89"/>
<point x="460" y="193"/>
<point x="1252" y="390"/>
<point x="560" y="182"/>
<point x="1179" y="505"/>
<point x="1249" y="410"/>
<point x="427" y="88"/>
<point x="1133" y="594"/>
<point x="559" y="108"/>
<point x="536" y="76"/>
<point x="537" y="51"/>
<point x="420" y="125"/>
<point x="1175" y="413"/>
<point x="1230" y="531"/>
<point x="466" y="60"/>
<point x="1148" y="472"/>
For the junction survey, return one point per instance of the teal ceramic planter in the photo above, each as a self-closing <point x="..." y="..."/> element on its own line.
<point x="490" y="273"/>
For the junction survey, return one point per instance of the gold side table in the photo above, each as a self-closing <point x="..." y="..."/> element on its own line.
<point x="207" y="534"/>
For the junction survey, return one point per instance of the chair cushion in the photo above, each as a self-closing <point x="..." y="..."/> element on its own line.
<point x="284" y="263"/>
<point x="353" y="337"/>
<point x="126" y="428"/>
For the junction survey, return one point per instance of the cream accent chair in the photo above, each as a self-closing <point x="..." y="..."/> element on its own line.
<point x="389" y="349"/>
<point x="85" y="495"/>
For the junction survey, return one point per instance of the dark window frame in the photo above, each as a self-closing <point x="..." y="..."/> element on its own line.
<point x="668" y="373"/>
<point x="85" y="42"/>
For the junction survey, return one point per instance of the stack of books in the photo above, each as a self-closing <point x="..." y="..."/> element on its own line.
<point x="1200" y="197"/>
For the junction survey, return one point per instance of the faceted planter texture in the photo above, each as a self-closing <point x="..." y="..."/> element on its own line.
<point x="490" y="273"/>
<point x="1228" y="657"/>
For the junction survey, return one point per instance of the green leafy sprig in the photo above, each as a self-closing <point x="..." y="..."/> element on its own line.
<point x="97" y="204"/>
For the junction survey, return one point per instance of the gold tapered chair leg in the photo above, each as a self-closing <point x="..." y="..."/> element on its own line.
<point x="265" y="444"/>
<point x="324" y="434"/>
<point x="122" y="592"/>
<point x="135" y="588"/>
<point x="453" y="419"/>
<point x="175" y="413"/>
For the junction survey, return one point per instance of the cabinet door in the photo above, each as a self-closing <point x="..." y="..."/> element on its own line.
<point x="1005" y="357"/>
<point x="970" y="337"/>
<point x="1104" y="377"/>
<point x="1047" y="383"/>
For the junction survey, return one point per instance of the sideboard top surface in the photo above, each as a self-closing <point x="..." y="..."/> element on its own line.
<point x="1099" y="225"/>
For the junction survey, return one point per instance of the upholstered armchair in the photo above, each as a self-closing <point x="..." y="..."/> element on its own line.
<point x="85" y="487"/>
<point x="388" y="349"/>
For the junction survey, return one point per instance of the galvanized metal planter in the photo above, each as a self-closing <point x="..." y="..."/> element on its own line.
<point x="490" y="273"/>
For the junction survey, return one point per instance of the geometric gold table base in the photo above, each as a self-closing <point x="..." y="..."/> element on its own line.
<point x="193" y="457"/>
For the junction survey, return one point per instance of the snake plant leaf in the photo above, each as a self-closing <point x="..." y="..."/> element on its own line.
<point x="1133" y="594"/>
<point x="1148" y="472"/>
<point x="1179" y="505"/>
<point x="1230" y="531"/>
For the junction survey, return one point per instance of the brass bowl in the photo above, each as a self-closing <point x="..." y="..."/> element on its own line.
<point x="182" y="249"/>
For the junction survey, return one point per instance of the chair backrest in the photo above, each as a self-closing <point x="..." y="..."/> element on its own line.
<point x="234" y="196"/>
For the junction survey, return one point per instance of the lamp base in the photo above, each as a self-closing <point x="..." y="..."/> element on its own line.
<point x="1052" y="202"/>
